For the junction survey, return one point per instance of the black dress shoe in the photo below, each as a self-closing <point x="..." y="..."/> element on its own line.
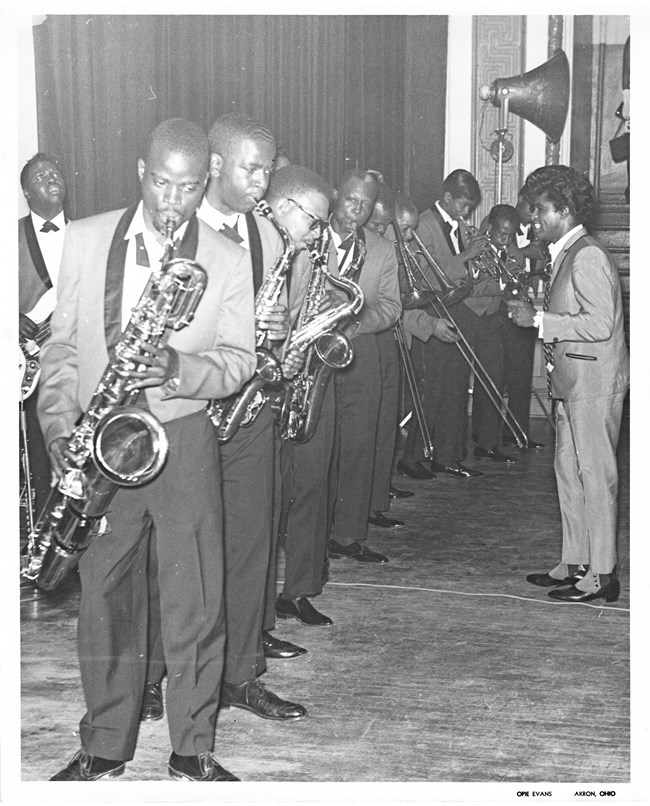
<point x="395" y="493"/>
<point x="456" y="469"/>
<point x="494" y="454"/>
<point x="302" y="610"/>
<point x="275" y="648"/>
<point x="386" y="522"/>
<point x="152" y="703"/>
<point x="609" y="593"/>
<point x="203" y="767"/>
<point x="417" y="471"/>
<point x="356" y="551"/>
<point x="84" y="767"/>
<point x="547" y="581"/>
<point x="252" y="696"/>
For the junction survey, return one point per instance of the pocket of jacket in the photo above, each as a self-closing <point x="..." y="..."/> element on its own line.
<point x="582" y="357"/>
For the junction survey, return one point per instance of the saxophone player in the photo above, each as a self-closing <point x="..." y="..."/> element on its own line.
<point x="242" y="153"/>
<point x="177" y="516"/>
<point x="357" y="388"/>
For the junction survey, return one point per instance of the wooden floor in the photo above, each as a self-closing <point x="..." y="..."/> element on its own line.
<point x="442" y="666"/>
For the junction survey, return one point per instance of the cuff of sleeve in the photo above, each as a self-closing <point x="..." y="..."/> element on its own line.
<point x="173" y="381"/>
<point x="538" y="322"/>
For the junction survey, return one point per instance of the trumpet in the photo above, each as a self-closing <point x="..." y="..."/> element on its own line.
<point x="441" y="310"/>
<point x="491" y="264"/>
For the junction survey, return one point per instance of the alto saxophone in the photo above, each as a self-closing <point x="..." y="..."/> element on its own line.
<point x="116" y="444"/>
<point x="328" y="347"/>
<point x="241" y="409"/>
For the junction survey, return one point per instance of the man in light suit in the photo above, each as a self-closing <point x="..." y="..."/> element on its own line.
<point x="107" y="262"/>
<point x="588" y="361"/>
<point x="40" y="245"/>
<point x="358" y="388"/>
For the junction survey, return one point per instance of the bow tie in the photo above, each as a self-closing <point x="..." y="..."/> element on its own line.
<point x="48" y="226"/>
<point x="346" y="244"/>
<point x="231" y="232"/>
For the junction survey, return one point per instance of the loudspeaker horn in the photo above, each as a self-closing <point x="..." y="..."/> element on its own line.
<point x="540" y="96"/>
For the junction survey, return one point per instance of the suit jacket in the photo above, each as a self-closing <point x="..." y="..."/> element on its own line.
<point x="380" y="285"/>
<point x="584" y="322"/>
<point x="486" y="294"/>
<point x="33" y="277"/>
<point x="216" y="351"/>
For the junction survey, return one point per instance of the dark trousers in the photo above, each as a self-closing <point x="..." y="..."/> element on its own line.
<point x="386" y="421"/>
<point x="247" y="485"/>
<point x="357" y="391"/>
<point x="442" y="377"/>
<point x="247" y="467"/>
<point x="179" y="517"/>
<point x="304" y="525"/>
<point x="519" y="353"/>
<point x="39" y="461"/>
<point x="484" y="335"/>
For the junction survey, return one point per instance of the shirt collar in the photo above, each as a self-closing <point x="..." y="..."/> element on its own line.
<point x="554" y="249"/>
<point x="138" y="225"/>
<point x="58" y="220"/>
<point x="336" y="238"/>
<point x="215" y="218"/>
<point x="446" y="217"/>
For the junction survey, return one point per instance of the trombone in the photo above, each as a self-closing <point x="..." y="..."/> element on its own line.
<point x="440" y="308"/>
<point x="415" y="298"/>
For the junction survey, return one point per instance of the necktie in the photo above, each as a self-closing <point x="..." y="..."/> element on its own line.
<point x="48" y="226"/>
<point x="548" y="346"/>
<point x="141" y="254"/>
<point x="231" y="232"/>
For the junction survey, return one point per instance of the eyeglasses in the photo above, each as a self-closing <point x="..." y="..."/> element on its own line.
<point x="316" y="222"/>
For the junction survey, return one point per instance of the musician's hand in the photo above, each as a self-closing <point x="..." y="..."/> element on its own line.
<point x="158" y="366"/>
<point x="331" y="299"/>
<point x="58" y="458"/>
<point x="275" y="321"/>
<point x="444" y="331"/>
<point x="26" y="328"/>
<point x="478" y="245"/>
<point x="535" y="250"/>
<point x="293" y="363"/>
<point x="521" y="313"/>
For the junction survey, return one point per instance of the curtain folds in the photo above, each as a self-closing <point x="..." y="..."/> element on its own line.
<point x="329" y="87"/>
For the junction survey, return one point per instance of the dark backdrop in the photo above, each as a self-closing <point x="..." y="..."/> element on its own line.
<point x="330" y="88"/>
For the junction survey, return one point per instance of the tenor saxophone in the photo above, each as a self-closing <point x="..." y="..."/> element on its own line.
<point x="328" y="348"/>
<point x="115" y="444"/>
<point x="241" y="409"/>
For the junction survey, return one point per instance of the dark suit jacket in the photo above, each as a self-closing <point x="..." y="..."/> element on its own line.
<point x="216" y="351"/>
<point x="33" y="277"/>
<point x="584" y="322"/>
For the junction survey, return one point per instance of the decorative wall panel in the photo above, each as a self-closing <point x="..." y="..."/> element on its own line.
<point x="499" y="44"/>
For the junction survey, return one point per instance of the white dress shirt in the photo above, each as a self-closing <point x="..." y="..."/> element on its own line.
<point x="50" y="243"/>
<point x="135" y="276"/>
<point x="554" y="249"/>
<point x="215" y="219"/>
